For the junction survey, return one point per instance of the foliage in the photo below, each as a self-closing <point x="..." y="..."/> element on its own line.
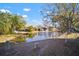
<point x="77" y="26"/>
<point x="66" y="14"/>
<point x="20" y="39"/>
<point x="31" y="35"/>
<point x="9" y="23"/>
<point x="30" y="28"/>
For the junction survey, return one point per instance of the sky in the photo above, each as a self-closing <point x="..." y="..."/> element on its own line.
<point x="30" y="11"/>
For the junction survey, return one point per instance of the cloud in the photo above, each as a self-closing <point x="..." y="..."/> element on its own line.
<point x="27" y="9"/>
<point x="5" y="10"/>
<point x="24" y="16"/>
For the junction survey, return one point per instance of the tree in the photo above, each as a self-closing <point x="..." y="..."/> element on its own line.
<point x="10" y="22"/>
<point x="31" y="28"/>
<point x="17" y="22"/>
<point x="65" y="14"/>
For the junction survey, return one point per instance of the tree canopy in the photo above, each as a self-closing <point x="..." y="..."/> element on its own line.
<point x="66" y="14"/>
<point x="10" y="22"/>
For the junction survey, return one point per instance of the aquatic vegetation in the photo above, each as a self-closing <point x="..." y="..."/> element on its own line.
<point x="30" y="35"/>
<point x="20" y="39"/>
<point x="23" y="38"/>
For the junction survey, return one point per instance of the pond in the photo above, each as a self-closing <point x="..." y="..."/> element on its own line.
<point x="42" y="36"/>
<point x="37" y="37"/>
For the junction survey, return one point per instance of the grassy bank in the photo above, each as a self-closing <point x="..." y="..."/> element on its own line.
<point x="70" y="35"/>
<point x="4" y="38"/>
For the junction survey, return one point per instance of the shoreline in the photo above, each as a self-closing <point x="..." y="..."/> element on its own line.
<point x="4" y="38"/>
<point x="8" y="37"/>
<point x="71" y="36"/>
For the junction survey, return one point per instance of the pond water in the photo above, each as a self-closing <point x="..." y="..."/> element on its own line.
<point x="42" y="36"/>
<point x="36" y="37"/>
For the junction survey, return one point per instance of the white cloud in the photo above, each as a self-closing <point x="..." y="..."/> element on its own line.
<point x="5" y="10"/>
<point x="27" y="9"/>
<point x="24" y="16"/>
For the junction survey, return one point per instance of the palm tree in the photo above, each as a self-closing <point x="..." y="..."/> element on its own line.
<point x="10" y="22"/>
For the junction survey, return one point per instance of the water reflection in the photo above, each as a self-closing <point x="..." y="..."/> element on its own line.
<point x="43" y="36"/>
<point x="36" y="37"/>
<point x="23" y="38"/>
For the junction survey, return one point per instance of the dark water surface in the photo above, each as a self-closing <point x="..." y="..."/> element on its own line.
<point x="40" y="45"/>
